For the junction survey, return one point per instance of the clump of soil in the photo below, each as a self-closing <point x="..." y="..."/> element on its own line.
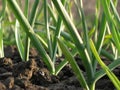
<point x="34" y="75"/>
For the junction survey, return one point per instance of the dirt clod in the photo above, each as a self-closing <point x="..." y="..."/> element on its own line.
<point x="9" y="82"/>
<point x="2" y="86"/>
<point x="16" y="74"/>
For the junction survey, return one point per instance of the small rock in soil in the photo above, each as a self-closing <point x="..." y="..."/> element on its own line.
<point x="41" y="77"/>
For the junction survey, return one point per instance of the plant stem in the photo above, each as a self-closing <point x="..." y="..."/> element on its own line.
<point x="27" y="40"/>
<point x="1" y="41"/>
<point x="1" y="29"/>
<point x="31" y="21"/>
<point x="29" y="31"/>
<point x="47" y="28"/>
<point x="76" y="38"/>
<point x="92" y="86"/>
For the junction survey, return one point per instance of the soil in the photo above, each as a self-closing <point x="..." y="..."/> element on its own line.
<point x="16" y="74"/>
<point x="34" y="75"/>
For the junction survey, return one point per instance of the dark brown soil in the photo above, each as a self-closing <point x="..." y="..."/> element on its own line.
<point x="33" y="75"/>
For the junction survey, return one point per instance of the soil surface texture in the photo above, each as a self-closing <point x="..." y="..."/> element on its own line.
<point x="34" y="75"/>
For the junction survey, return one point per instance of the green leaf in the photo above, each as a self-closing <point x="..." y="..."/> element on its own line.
<point x="2" y="12"/>
<point x="111" y="22"/>
<point x="99" y="74"/>
<point x="18" y="41"/>
<point x="3" y="9"/>
<point x="31" y="34"/>
<point x="1" y="42"/>
<point x="73" y="64"/>
<point x="49" y="41"/>
<point x="111" y="75"/>
<point x="76" y="37"/>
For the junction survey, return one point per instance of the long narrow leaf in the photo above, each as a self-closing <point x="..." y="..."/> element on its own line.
<point x="117" y="17"/>
<point x="100" y="40"/>
<point x="64" y="34"/>
<point x="74" y="52"/>
<point x="1" y="41"/>
<point x="1" y="29"/>
<point x="29" y="31"/>
<point x="111" y="21"/>
<point x="57" y="35"/>
<point x="99" y="74"/>
<point x="27" y="40"/>
<point x="26" y="10"/>
<point x="31" y="21"/>
<point x="111" y="76"/>
<point x="79" y="4"/>
<point x="49" y="41"/>
<point x="73" y="64"/>
<point x="76" y="38"/>
<point x="18" y="41"/>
